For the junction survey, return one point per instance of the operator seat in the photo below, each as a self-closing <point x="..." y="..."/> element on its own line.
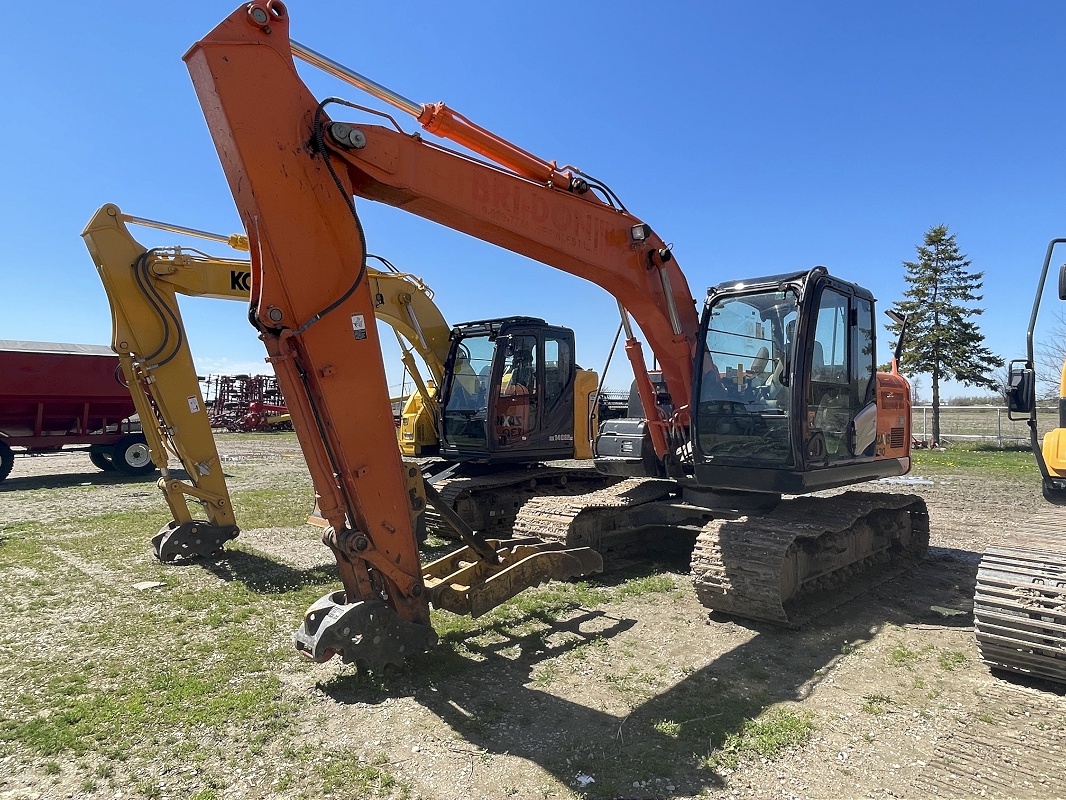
<point x="758" y="368"/>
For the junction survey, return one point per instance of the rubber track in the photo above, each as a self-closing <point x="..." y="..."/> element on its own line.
<point x="1020" y="601"/>
<point x="1016" y="750"/>
<point x="553" y="518"/>
<point x="736" y="565"/>
<point x="481" y="487"/>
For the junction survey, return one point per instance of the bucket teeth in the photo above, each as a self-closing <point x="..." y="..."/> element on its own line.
<point x="366" y="632"/>
<point x="462" y="583"/>
<point x="189" y="540"/>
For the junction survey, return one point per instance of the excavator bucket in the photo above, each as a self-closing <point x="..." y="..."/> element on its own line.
<point x="370" y="633"/>
<point x="184" y="541"/>
<point x="464" y="583"/>
<point x="366" y="632"/>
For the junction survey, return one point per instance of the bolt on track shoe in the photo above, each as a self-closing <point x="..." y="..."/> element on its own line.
<point x="188" y="540"/>
<point x="364" y="632"/>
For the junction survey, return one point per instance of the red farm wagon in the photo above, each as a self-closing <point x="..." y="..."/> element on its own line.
<point x="54" y="395"/>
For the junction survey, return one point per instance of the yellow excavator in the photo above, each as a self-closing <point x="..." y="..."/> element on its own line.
<point x="149" y="337"/>
<point x="484" y="485"/>
<point x="1020" y="600"/>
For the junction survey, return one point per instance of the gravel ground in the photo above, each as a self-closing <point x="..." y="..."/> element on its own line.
<point x="594" y="703"/>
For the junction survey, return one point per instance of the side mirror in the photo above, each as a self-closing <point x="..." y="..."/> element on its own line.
<point x="1062" y="282"/>
<point x="1021" y="389"/>
<point x="900" y="320"/>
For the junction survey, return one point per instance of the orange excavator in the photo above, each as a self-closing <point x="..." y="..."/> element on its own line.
<point x="771" y="391"/>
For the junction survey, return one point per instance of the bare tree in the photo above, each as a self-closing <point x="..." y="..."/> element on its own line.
<point x="1002" y="378"/>
<point x="1050" y="356"/>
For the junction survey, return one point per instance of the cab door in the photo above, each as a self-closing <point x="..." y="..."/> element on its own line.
<point x="841" y="414"/>
<point x="533" y="393"/>
<point x="516" y="407"/>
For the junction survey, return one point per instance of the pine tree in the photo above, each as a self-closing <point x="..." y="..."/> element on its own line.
<point x="942" y="339"/>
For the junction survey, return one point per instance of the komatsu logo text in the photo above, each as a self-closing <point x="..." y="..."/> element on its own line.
<point x="239" y="281"/>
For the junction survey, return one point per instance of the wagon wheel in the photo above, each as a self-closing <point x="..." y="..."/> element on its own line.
<point x="131" y="456"/>
<point x="7" y="460"/>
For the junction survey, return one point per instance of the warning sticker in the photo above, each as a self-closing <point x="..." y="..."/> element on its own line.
<point x="358" y="326"/>
<point x="194" y="405"/>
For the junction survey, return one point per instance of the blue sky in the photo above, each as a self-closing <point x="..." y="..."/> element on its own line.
<point x="757" y="137"/>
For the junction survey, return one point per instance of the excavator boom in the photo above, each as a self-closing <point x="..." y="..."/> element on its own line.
<point x="319" y="330"/>
<point x="149" y="336"/>
<point x="521" y="207"/>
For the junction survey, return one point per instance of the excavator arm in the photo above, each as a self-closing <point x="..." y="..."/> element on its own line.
<point x="153" y="350"/>
<point x="313" y="304"/>
<point x="149" y="336"/>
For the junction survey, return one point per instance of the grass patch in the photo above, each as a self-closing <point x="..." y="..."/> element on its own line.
<point x="546" y="674"/>
<point x="285" y="507"/>
<point x="638" y="587"/>
<point x="21" y="545"/>
<point x="581" y="652"/>
<point x="1013" y="463"/>
<point x="667" y="728"/>
<point x="346" y="775"/>
<point x="767" y="736"/>
<point x="951" y="660"/>
<point x="73" y="716"/>
<point x="877" y="704"/>
<point x="903" y="656"/>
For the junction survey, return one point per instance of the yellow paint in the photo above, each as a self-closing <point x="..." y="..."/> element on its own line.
<point x="586" y="416"/>
<point x="146" y="319"/>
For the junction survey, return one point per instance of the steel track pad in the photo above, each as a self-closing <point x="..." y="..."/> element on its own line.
<point x="189" y="540"/>
<point x="365" y="632"/>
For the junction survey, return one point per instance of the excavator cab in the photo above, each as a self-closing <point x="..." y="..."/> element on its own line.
<point x="508" y="392"/>
<point x="786" y="388"/>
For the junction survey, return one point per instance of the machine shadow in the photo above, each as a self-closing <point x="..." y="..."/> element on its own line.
<point x="506" y="705"/>
<point x="265" y="575"/>
<point x="94" y="476"/>
<point x="261" y="574"/>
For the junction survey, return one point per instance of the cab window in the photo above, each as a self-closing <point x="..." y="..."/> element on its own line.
<point x="863" y="358"/>
<point x="744" y="388"/>
<point x="829" y="356"/>
<point x="557" y="361"/>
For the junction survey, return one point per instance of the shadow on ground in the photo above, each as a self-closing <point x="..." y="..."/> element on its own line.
<point x="93" y="476"/>
<point x="261" y="574"/>
<point x="497" y="705"/>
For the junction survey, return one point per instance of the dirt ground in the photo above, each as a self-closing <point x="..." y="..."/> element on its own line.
<point x="637" y="692"/>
